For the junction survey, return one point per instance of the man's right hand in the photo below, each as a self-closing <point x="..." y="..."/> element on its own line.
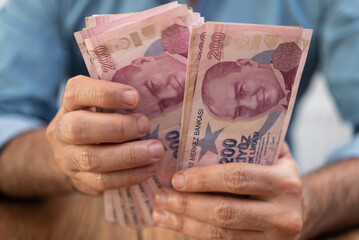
<point x="96" y="150"/>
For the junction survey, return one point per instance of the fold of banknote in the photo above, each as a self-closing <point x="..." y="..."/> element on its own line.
<point x="243" y="93"/>
<point x="149" y="53"/>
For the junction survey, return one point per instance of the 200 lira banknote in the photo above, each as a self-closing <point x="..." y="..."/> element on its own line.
<point x="150" y="54"/>
<point x="242" y="93"/>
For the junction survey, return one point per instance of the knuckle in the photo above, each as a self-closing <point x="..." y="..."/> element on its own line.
<point x="290" y="223"/>
<point x="225" y="213"/>
<point x="237" y="179"/>
<point x="71" y="91"/>
<point x="100" y="182"/>
<point x="87" y="159"/>
<point x="216" y="233"/>
<point x="128" y="178"/>
<point x="60" y="125"/>
<point x="100" y="95"/>
<point x="184" y="204"/>
<point x="295" y="222"/>
<point x="131" y="155"/>
<point x="73" y="158"/>
<point x="178" y="223"/>
<point x="200" y="183"/>
<point x="75" y="92"/>
<point x="69" y="128"/>
<point x="119" y="127"/>
<point x="293" y="185"/>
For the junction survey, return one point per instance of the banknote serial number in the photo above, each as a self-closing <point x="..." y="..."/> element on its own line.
<point x="104" y="58"/>
<point x="216" y="46"/>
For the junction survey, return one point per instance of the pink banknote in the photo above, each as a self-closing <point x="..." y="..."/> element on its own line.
<point x="110" y="22"/>
<point x="243" y="95"/>
<point x="151" y="55"/>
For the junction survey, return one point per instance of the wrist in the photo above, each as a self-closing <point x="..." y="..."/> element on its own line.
<point x="31" y="170"/>
<point x="308" y="218"/>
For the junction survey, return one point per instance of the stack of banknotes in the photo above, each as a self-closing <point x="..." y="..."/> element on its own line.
<point x="215" y="93"/>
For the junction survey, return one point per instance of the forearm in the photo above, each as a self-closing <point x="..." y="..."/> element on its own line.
<point x="28" y="167"/>
<point x="331" y="198"/>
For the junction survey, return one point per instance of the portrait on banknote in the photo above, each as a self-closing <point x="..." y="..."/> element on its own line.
<point x="247" y="88"/>
<point x="159" y="76"/>
<point x="159" y="79"/>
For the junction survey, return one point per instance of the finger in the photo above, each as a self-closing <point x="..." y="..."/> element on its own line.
<point x="84" y="188"/>
<point x="113" y="157"/>
<point x="118" y="179"/>
<point x="84" y="127"/>
<point x="83" y="92"/>
<point x="286" y="160"/>
<point x="236" y="178"/>
<point x="200" y="230"/>
<point x="284" y="151"/>
<point x="228" y="212"/>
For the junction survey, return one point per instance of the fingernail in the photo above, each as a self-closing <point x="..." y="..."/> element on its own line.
<point x="156" y="150"/>
<point x="160" y="216"/>
<point x="130" y="97"/>
<point x="179" y="181"/>
<point x="161" y="198"/>
<point x="143" y="124"/>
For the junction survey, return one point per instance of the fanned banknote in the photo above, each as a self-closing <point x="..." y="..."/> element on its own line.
<point x="99" y="24"/>
<point x="243" y="95"/>
<point x="150" y="54"/>
<point x="96" y="20"/>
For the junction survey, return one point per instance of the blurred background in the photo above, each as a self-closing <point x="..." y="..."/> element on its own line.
<point x="318" y="128"/>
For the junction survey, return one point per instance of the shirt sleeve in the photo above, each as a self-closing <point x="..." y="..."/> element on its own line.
<point x="339" y="51"/>
<point x="32" y="65"/>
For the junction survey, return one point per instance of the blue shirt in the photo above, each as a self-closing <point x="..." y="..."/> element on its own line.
<point x="39" y="53"/>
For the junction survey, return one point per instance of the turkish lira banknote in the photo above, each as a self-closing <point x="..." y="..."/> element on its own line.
<point x="241" y="93"/>
<point x="148" y="51"/>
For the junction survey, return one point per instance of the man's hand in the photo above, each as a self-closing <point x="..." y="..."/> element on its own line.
<point x="270" y="206"/>
<point x="96" y="150"/>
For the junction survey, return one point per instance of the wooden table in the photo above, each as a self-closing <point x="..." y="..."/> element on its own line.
<point x="77" y="216"/>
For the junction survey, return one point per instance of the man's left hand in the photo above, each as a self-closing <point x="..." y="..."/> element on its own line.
<point x="234" y="201"/>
